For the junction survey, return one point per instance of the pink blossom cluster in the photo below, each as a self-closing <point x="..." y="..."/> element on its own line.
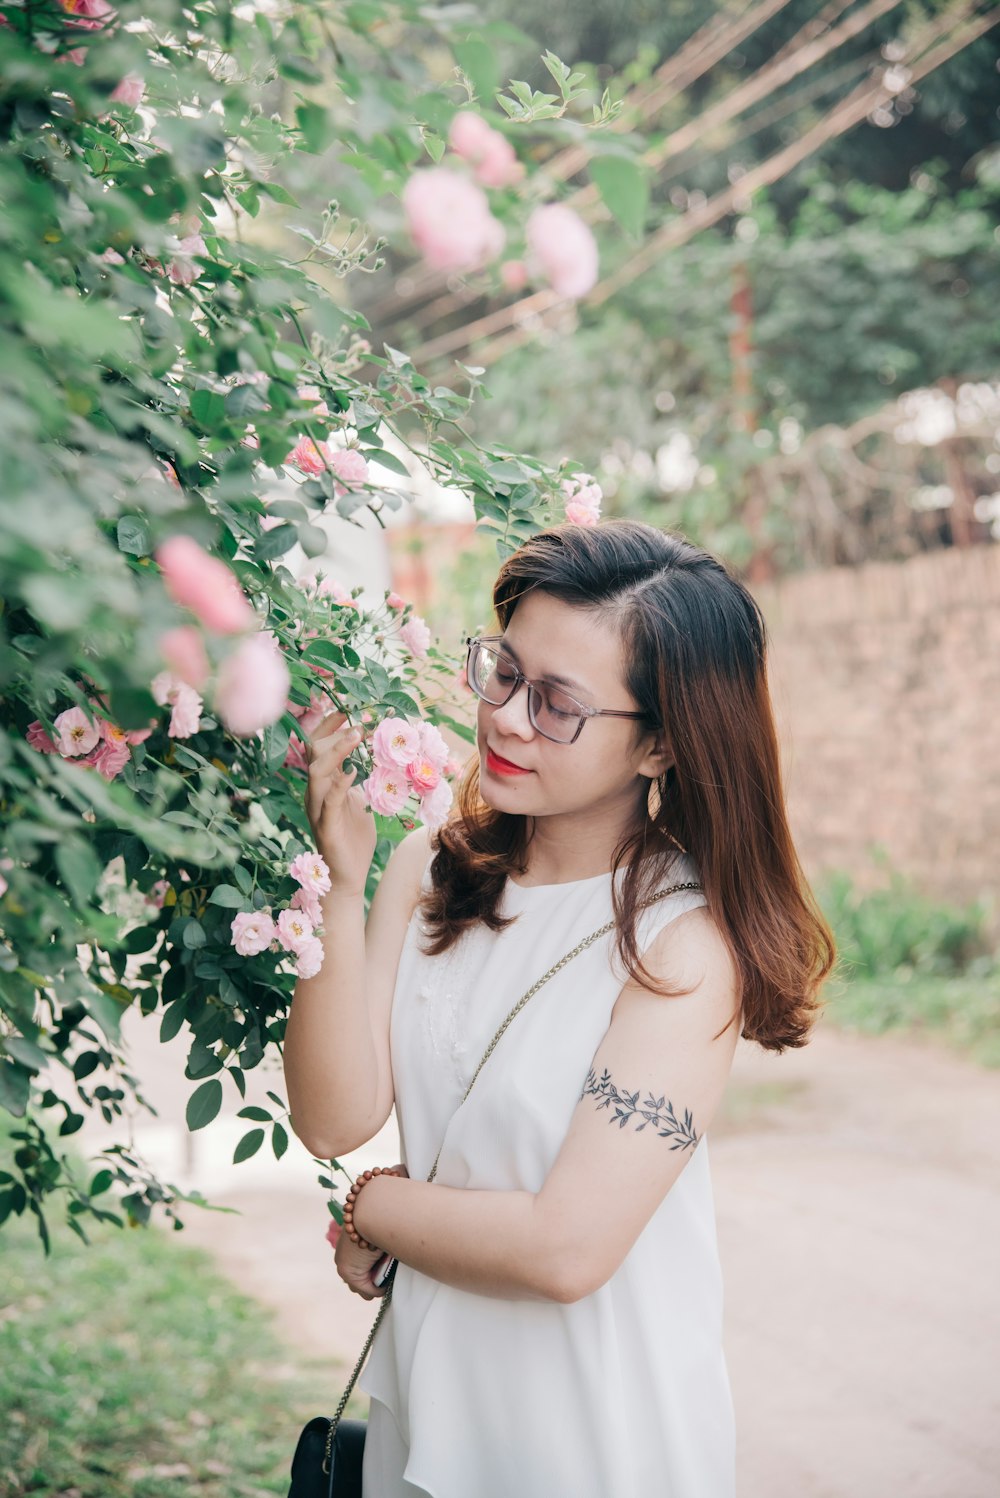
<point x="492" y="157"/>
<point x="181" y="268"/>
<point x="294" y="931"/>
<point x="582" y="495"/>
<point x="348" y="466"/>
<point x="100" y="744"/>
<point x="251" y="687"/>
<point x="451" y="223"/>
<point x="410" y="758"/>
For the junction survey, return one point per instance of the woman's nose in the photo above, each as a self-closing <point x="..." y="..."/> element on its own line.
<point x="513" y="717"/>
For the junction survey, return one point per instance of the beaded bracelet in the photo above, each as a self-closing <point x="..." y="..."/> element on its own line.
<point x="352" y="1196"/>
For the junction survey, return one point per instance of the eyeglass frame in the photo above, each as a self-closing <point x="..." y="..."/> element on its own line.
<point x="586" y="711"/>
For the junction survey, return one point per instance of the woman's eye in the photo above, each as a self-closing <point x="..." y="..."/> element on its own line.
<point x="504" y="674"/>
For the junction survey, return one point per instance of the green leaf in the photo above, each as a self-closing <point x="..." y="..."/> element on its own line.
<point x="316" y="126"/>
<point x="15" y="1086"/>
<point x="203" y="1104"/>
<point x="173" y="1018"/>
<point x="194" y="935"/>
<point x="227" y="895"/>
<point x="276" y="738"/>
<point x="133" y="536"/>
<point x="208" y="408"/>
<point x="257" y="1115"/>
<point x="79" y="869"/>
<point x="275" y="542"/>
<point x="248" y="1145"/>
<point x="279" y="1140"/>
<point x="623" y="184"/>
<point x="101" y="1182"/>
<point x="482" y="64"/>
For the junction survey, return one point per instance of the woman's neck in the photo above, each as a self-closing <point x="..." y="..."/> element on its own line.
<point x="561" y="850"/>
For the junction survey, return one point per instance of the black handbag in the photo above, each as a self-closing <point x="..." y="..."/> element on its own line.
<point x="314" y="1475"/>
<point x="330" y="1450"/>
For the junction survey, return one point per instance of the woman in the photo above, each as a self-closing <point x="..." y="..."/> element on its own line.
<point x="555" y="1326"/>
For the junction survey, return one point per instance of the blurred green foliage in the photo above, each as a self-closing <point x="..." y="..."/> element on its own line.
<point x="136" y="1371"/>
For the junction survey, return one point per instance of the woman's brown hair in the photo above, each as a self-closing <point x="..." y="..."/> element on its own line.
<point x="695" y="645"/>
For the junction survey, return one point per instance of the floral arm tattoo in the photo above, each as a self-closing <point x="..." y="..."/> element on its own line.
<point x="655" y="1111"/>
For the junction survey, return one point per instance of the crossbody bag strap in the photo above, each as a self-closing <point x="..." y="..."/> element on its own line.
<point x="557" y="967"/>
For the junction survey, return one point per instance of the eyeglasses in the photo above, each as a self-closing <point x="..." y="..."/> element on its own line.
<point x="495" y="677"/>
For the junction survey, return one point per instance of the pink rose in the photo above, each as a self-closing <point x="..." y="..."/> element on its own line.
<point x="77" y="735"/>
<point x="490" y="154"/>
<point x="333" y="1232"/>
<point x="435" y="806"/>
<point x="582" y="495"/>
<point x="185" y="701"/>
<point x="204" y="585"/>
<point x="395" y="601"/>
<point x="432" y="745"/>
<point x="499" y="166"/>
<point x="295" y="755"/>
<point x="424" y="776"/>
<point x="252" y="685"/>
<point x="330" y="588"/>
<point x="451" y="767"/>
<point x="306" y="457"/>
<point x="311" y="394"/>
<point x="130" y="91"/>
<point x="182" y="268"/>
<point x="450" y="221"/>
<point x="563" y="246"/>
<point x="350" y="467"/>
<point x="309" y="958"/>
<point x="415" y="636"/>
<point x="579" y="514"/>
<point x="310" y="870"/>
<point x="395" y="742"/>
<point x="469" y="135"/>
<point x="253" y="932"/>
<point x="158" y="893"/>
<point x="294" y="929"/>
<point x="386" y="790"/>
<point x="90" y="14"/>
<point x="183" y="649"/>
<point x="309" y="904"/>
<point x="111" y="757"/>
<point x="39" y="739"/>
<point x="513" y="275"/>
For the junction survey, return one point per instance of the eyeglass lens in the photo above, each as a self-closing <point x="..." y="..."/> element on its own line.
<point x="493" y="676"/>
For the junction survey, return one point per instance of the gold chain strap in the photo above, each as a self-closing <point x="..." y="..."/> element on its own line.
<point x="556" y="967"/>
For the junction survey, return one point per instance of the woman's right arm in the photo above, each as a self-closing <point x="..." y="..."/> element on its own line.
<point x="336" y="1047"/>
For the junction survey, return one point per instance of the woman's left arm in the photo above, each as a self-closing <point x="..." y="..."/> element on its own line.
<point x="653" y="1089"/>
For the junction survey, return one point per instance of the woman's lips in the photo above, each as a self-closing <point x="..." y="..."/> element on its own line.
<point x="498" y="766"/>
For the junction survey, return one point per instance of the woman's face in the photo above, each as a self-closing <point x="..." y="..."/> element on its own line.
<point x="520" y="770"/>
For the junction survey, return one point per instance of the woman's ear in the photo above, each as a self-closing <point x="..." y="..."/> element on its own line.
<point x="658" y="758"/>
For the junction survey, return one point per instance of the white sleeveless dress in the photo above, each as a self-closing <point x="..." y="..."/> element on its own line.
<point x="622" y="1393"/>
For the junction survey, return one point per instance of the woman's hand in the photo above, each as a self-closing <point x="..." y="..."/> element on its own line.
<point x="342" y="825"/>
<point x="356" y="1265"/>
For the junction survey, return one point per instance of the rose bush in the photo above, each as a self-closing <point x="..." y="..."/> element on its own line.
<point x="161" y="666"/>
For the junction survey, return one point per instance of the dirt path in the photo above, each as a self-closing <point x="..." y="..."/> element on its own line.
<point x="857" y="1189"/>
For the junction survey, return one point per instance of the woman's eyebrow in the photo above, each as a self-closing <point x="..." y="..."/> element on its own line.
<point x="561" y="681"/>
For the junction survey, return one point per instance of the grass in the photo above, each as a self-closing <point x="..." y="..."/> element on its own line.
<point x="131" y="1369"/>
<point x="910" y="962"/>
<point x="962" y="1009"/>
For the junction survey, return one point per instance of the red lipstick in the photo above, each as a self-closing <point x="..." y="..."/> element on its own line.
<point x="498" y="766"/>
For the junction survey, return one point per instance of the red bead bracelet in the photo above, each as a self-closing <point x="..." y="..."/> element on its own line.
<point x="352" y="1196"/>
